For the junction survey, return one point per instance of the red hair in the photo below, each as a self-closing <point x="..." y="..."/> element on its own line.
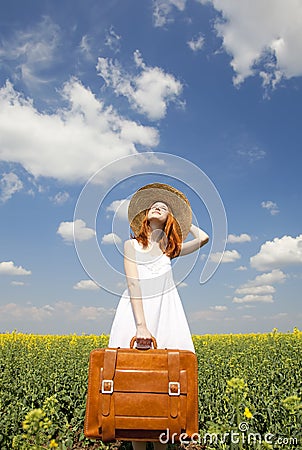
<point x="170" y="247"/>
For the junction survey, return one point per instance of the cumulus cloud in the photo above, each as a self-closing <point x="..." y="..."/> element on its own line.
<point x="120" y="208"/>
<point x="149" y="92"/>
<point x="256" y="290"/>
<point x="17" y="312"/>
<point x="233" y="239"/>
<point x="196" y="43"/>
<point x="85" y="47"/>
<point x="251" y="298"/>
<point x="72" y="313"/>
<point x="280" y="252"/>
<point x="273" y="277"/>
<point x="77" y="229"/>
<point x="261" y="38"/>
<point x="252" y="154"/>
<point x="162" y="10"/>
<point x="60" y="198"/>
<point x="271" y="207"/>
<point x="219" y="308"/>
<point x="227" y="257"/>
<point x="113" y="40"/>
<point x="70" y="144"/>
<point x="241" y="268"/>
<point x="10" y="183"/>
<point x="111" y="238"/>
<point x="9" y="268"/>
<point x="260" y="289"/>
<point x="86" y="285"/>
<point x="212" y="314"/>
<point x="93" y="313"/>
<point x="32" y="51"/>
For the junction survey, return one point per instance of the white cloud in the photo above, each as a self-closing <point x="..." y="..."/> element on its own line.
<point x="256" y="290"/>
<point x="10" y="183"/>
<point x="252" y="154"/>
<point x="233" y="239"/>
<point x="77" y="229"/>
<point x="227" y="257"/>
<point x="280" y="252"/>
<point x="241" y="268"/>
<point x="32" y="52"/>
<point x="71" y="144"/>
<point x="149" y="92"/>
<point x="196" y="43"/>
<point x="94" y="313"/>
<point x="72" y="313"/>
<point x="17" y="283"/>
<point x="162" y="10"/>
<point x="112" y="40"/>
<point x="17" y="312"/>
<point x="87" y="285"/>
<point x="219" y="308"/>
<point x="60" y="198"/>
<point x="111" y="238"/>
<point x="120" y="208"/>
<point x="261" y="288"/>
<point x="85" y="47"/>
<point x="280" y="315"/>
<point x="273" y="277"/>
<point x="271" y="207"/>
<point x="251" y="298"/>
<point x="9" y="268"/>
<point x="261" y="37"/>
<point x="248" y="317"/>
<point x="209" y="315"/>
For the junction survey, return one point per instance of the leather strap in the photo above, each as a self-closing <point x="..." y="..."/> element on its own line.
<point x="108" y="413"/>
<point x="174" y="383"/>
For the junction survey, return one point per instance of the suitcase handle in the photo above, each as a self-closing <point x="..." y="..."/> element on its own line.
<point x="143" y="344"/>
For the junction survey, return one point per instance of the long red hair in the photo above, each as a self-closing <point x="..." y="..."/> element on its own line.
<point x="170" y="243"/>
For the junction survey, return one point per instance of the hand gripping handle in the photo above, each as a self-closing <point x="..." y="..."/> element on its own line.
<point x="143" y="343"/>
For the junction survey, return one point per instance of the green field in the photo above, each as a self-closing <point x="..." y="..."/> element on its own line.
<point x="249" y="390"/>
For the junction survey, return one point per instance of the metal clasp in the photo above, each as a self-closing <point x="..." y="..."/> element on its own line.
<point x="107" y="386"/>
<point x="174" y="388"/>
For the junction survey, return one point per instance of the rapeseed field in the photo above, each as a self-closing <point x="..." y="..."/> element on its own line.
<point x="250" y="391"/>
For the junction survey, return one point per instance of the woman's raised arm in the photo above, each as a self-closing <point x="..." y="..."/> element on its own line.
<point x="200" y="238"/>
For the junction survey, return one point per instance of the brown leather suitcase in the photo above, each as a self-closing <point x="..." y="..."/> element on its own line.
<point x="141" y="395"/>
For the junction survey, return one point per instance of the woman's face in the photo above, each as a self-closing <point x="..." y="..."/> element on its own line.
<point x="158" y="211"/>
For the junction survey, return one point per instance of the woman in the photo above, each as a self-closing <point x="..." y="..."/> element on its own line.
<point x="161" y="218"/>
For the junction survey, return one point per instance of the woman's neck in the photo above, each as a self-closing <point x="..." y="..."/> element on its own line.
<point x="156" y="235"/>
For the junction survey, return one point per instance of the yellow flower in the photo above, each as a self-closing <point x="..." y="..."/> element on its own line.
<point x="53" y="444"/>
<point x="247" y="413"/>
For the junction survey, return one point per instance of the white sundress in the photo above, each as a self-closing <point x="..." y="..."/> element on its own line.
<point x="164" y="313"/>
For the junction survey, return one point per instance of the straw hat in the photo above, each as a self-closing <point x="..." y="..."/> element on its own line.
<point x="158" y="192"/>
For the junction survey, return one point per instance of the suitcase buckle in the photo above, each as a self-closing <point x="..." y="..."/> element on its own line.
<point x="107" y="386"/>
<point x="174" y="388"/>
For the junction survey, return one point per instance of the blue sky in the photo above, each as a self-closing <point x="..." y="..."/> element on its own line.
<point x="137" y="92"/>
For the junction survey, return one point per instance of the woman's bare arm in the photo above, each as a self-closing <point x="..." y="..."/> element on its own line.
<point x="200" y="238"/>
<point x="135" y="290"/>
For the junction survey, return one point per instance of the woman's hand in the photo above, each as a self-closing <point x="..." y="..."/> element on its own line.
<point x="143" y="332"/>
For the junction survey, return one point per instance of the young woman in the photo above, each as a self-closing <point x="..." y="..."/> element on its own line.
<point x="161" y="218"/>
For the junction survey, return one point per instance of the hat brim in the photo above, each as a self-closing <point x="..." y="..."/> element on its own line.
<point x="160" y="192"/>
